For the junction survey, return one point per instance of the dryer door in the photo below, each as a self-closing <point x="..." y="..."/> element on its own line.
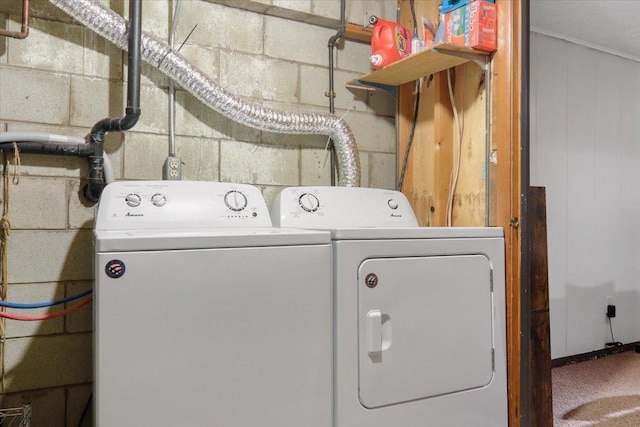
<point x="425" y="327"/>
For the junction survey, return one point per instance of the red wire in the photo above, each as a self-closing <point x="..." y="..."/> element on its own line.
<point x="48" y="315"/>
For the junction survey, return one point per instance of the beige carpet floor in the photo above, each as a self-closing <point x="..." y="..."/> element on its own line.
<point x="604" y="392"/>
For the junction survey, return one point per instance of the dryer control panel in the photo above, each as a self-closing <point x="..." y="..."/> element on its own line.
<point x="341" y="207"/>
<point x="180" y="205"/>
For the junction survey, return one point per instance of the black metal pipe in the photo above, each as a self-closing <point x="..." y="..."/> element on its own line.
<point x="51" y="148"/>
<point x="95" y="184"/>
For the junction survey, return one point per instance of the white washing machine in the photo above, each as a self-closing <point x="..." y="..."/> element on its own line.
<point x="419" y="313"/>
<point x="206" y="315"/>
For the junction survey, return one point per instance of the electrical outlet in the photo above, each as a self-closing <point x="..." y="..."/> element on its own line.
<point x="173" y="169"/>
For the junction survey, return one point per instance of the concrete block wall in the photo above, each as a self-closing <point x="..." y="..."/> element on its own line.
<point x="63" y="78"/>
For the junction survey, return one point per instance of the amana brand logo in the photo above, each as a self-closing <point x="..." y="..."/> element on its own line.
<point x="371" y="280"/>
<point x="132" y="214"/>
<point x="115" y="268"/>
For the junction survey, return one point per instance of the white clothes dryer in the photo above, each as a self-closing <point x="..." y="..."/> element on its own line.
<point x="206" y="315"/>
<point x="419" y="312"/>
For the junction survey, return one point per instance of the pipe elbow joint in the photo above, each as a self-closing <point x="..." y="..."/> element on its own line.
<point x="130" y="119"/>
<point x="92" y="191"/>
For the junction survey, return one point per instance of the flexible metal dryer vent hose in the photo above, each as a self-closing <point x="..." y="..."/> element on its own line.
<point x="113" y="27"/>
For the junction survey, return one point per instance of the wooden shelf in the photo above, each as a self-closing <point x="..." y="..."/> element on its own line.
<point x="358" y="33"/>
<point x="428" y="61"/>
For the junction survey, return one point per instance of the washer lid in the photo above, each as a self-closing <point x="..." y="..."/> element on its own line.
<point x="156" y="240"/>
<point x="425" y="327"/>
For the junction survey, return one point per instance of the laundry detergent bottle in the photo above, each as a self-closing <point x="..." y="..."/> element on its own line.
<point x="390" y="42"/>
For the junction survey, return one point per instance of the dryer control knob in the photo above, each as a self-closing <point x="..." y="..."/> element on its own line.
<point x="158" y="200"/>
<point x="235" y="200"/>
<point x="133" y="200"/>
<point x="392" y="204"/>
<point x="309" y="202"/>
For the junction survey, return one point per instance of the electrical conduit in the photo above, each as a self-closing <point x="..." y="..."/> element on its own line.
<point x="113" y="27"/>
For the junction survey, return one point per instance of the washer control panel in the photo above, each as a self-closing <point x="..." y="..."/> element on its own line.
<point x="341" y="207"/>
<point x="147" y="205"/>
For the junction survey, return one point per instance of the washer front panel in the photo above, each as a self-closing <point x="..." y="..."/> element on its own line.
<point x="218" y="337"/>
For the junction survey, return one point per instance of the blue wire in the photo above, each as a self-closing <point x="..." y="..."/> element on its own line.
<point x="44" y="304"/>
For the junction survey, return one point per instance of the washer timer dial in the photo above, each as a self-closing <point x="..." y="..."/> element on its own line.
<point x="158" y="200"/>
<point x="309" y="202"/>
<point x="133" y="200"/>
<point x="235" y="200"/>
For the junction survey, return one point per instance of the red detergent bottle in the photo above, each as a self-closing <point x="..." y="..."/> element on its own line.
<point x="390" y="42"/>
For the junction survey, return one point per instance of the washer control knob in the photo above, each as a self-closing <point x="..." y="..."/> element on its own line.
<point x="392" y="204"/>
<point x="158" y="200"/>
<point x="309" y="202"/>
<point x="235" y="200"/>
<point x="133" y="200"/>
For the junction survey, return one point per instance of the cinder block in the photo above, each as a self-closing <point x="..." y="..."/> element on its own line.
<point x="144" y="155"/>
<point x="94" y="99"/>
<point x="354" y="57"/>
<point x="293" y="5"/>
<point x="80" y="320"/>
<point x="155" y="111"/>
<point x="47" y="407"/>
<point x="101" y="57"/>
<point x="295" y="41"/>
<point x="269" y="192"/>
<point x="48" y="361"/>
<point x="190" y="116"/>
<point x="328" y="9"/>
<point x="38" y="203"/>
<point x="315" y="167"/>
<point x="382" y="103"/>
<point x="200" y="157"/>
<point x="156" y="17"/>
<point x="259" y="77"/>
<point x="382" y="170"/>
<point x="258" y="164"/>
<point x="29" y="294"/>
<point x="315" y="88"/>
<point x="358" y="12"/>
<point x="51" y="45"/>
<point x="377" y="134"/>
<point x="34" y="96"/>
<point x="3" y="40"/>
<point x="50" y="256"/>
<point x="224" y="27"/>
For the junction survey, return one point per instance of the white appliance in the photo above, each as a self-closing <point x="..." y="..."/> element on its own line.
<point x="419" y="313"/>
<point x="206" y="315"/>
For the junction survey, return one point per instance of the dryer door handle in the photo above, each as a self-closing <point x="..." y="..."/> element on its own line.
<point x="378" y="330"/>
<point x="374" y="331"/>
